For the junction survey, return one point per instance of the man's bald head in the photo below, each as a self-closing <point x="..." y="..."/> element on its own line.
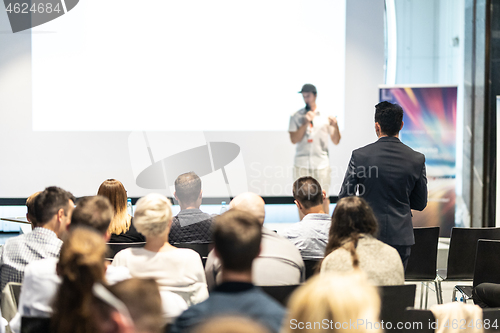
<point x="250" y="203"/>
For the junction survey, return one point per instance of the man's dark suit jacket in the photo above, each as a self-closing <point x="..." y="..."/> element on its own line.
<point x="391" y="177"/>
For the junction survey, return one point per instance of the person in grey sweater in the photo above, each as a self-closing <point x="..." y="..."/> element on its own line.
<point x="353" y="244"/>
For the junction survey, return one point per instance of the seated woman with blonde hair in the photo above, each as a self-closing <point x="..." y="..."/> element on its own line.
<point x="175" y="270"/>
<point x="352" y="244"/>
<point x="329" y="302"/>
<point x="121" y="227"/>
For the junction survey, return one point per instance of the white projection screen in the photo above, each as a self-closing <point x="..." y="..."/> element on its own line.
<point x="142" y="90"/>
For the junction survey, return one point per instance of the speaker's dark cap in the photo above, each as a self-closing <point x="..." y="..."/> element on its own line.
<point x="308" y="88"/>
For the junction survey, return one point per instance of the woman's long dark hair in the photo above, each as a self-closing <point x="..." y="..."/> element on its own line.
<point x="351" y="218"/>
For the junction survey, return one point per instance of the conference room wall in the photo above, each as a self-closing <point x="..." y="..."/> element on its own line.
<point x="80" y="161"/>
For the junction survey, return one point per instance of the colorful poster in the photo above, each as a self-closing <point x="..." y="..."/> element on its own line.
<point x="430" y="128"/>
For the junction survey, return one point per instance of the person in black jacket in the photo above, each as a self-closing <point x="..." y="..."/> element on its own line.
<point x="391" y="177"/>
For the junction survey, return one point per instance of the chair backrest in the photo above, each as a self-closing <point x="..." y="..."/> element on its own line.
<point x="462" y="252"/>
<point x="202" y="248"/>
<point x="35" y="325"/>
<point x="419" y="320"/>
<point x="423" y="258"/>
<point x="395" y="300"/>
<point x="114" y="248"/>
<point x="487" y="263"/>
<point x="280" y="293"/>
<point x="10" y="300"/>
<point x="311" y="266"/>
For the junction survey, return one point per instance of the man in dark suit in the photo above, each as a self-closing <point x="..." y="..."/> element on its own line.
<point x="390" y="176"/>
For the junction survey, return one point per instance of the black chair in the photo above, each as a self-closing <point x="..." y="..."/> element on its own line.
<point x="423" y="261"/>
<point x="419" y="321"/>
<point x="311" y="266"/>
<point x="486" y="268"/>
<point x="422" y="321"/>
<point x="280" y="293"/>
<point x="462" y="254"/>
<point x="10" y="300"/>
<point x="394" y="301"/>
<point x="35" y="325"/>
<point x="114" y="248"/>
<point x="203" y="249"/>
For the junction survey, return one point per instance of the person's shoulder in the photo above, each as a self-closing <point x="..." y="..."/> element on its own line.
<point x="269" y="305"/>
<point x="298" y="113"/>
<point x="125" y="253"/>
<point x="47" y="265"/>
<point x="13" y="241"/>
<point x="193" y="315"/>
<point x="271" y="240"/>
<point x="184" y="254"/>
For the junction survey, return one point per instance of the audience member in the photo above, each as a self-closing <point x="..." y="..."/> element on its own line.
<point x="122" y="229"/>
<point x="53" y="208"/>
<point x="30" y="205"/>
<point x="177" y="270"/>
<point x="334" y="300"/>
<point x="487" y="295"/>
<point x="41" y="281"/>
<point x="279" y="262"/>
<point x="81" y="265"/>
<point x="143" y="301"/>
<point x="84" y="305"/>
<point x="237" y="238"/>
<point x="191" y="225"/>
<point x="310" y="235"/>
<point x="391" y="177"/>
<point x="230" y="324"/>
<point x="352" y="244"/>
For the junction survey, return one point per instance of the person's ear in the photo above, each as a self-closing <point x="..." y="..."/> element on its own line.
<point x="107" y="236"/>
<point x="299" y="205"/>
<point x="60" y="214"/>
<point x="378" y="130"/>
<point x="201" y="195"/>
<point x="120" y="324"/>
<point x="175" y="196"/>
<point x="216" y="253"/>
<point x="324" y="194"/>
<point x="402" y="123"/>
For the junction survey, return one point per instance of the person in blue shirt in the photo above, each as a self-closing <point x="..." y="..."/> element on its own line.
<point x="237" y="237"/>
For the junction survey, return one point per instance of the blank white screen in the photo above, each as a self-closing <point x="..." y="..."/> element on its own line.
<point x="199" y="65"/>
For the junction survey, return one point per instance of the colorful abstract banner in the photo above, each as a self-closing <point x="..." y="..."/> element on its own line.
<point x="430" y="128"/>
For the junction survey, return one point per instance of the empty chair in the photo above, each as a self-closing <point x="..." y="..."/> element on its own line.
<point x="486" y="267"/>
<point x="280" y="293"/>
<point x="462" y="254"/>
<point x="394" y="301"/>
<point x="423" y="261"/>
<point x="114" y="248"/>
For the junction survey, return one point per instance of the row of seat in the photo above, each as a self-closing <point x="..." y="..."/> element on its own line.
<point x="473" y="255"/>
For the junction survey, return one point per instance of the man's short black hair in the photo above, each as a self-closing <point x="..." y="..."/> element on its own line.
<point x="308" y="192"/>
<point x="188" y="187"/>
<point x="389" y="116"/>
<point x="49" y="202"/>
<point x="93" y="212"/>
